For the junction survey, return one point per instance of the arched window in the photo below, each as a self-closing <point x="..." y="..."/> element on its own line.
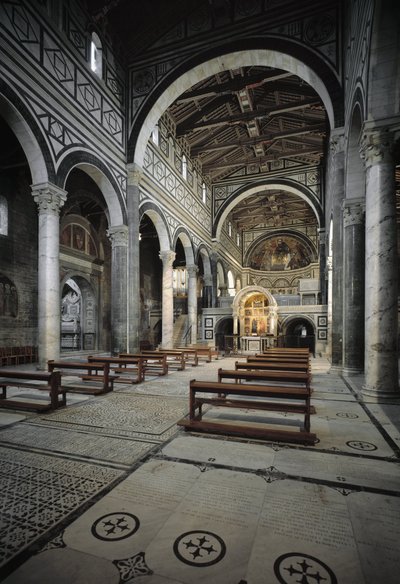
<point x="3" y="216"/>
<point x="184" y="167"/>
<point x="155" y="136"/>
<point x="96" y="55"/>
<point x="238" y="239"/>
<point x="231" y="284"/>
<point x="204" y="193"/>
<point x="230" y="229"/>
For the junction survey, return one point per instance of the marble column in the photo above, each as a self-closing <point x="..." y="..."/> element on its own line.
<point x="322" y="265"/>
<point x="132" y="202"/>
<point x="49" y="199"/>
<point x="207" y="292"/>
<point x="167" y="258"/>
<point x="353" y="290"/>
<point x="337" y="152"/>
<point x="119" y="301"/>
<point x="381" y="285"/>
<point x="223" y="288"/>
<point x="192" y="301"/>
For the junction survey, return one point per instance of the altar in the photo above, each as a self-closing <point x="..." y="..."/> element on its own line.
<point x="254" y="344"/>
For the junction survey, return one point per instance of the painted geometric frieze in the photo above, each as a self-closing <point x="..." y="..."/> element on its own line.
<point x="29" y="38"/>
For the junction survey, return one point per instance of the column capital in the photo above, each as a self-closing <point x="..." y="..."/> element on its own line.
<point x="135" y="174"/>
<point x="192" y="270"/>
<point x="376" y="147"/>
<point x="167" y="257"/>
<point x="337" y="141"/>
<point x="118" y="236"/>
<point x="49" y="198"/>
<point x="353" y="213"/>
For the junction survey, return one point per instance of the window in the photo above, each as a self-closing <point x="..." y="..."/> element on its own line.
<point x="238" y="239"/>
<point x="3" y="216"/>
<point x="184" y="167"/>
<point x="155" y="136"/>
<point x="229" y="229"/>
<point x="96" y="55"/>
<point x="204" y="193"/>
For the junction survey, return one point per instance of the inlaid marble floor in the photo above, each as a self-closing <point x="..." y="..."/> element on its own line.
<point x="109" y="490"/>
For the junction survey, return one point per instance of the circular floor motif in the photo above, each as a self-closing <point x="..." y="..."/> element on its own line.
<point x="199" y="548"/>
<point x="115" y="526"/>
<point x="295" y="567"/>
<point x="347" y="415"/>
<point x="360" y="445"/>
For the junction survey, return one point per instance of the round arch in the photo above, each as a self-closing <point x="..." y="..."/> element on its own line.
<point x="280" y="55"/>
<point x="182" y="235"/>
<point x="205" y="256"/>
<point x="267" y="185"/>
<point x="28" y="135"/>
<point x="248" y="291"/>
<point x="99" y="173"/>
<point x="355" y="172"/>
<point x="160" y="223"/>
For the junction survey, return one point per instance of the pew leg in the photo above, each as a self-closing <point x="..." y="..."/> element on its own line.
<point x="3" y="387"/>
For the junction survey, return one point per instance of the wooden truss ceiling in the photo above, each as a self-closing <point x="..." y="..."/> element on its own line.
<point x="252" y="117"/>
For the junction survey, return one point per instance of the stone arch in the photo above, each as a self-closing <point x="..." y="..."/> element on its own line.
<point x="160" y="223"/>
<point x="249" y="291"/>
<point x="290" y="321"/>
<point x="28" y="134"/>
<point x="100" y="174"/>
<point x="277" y="53"/>
<point x="205" y="256"/>
<point x="221" y="274"/>
<point x="267" y="185"/>
<point x="355" y="171"/>
<point x="184" y="237"/>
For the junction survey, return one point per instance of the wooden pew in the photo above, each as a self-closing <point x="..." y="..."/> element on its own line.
<point x="175" y="359"/>
<point x="124" y="370"/>
<point x="280" y="365"/>
<point x="206" y="352"/>
<point x="282" y="357"/>
<point x="41" y="380"/>
<point x="282" y="399"/>
<point x="302" y="377"/>
<point x="153" y="365"/>
<point x="93" y="378"/>
<point x="191" y="355"/>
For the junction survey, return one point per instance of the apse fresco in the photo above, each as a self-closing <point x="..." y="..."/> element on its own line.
<point x="280" y="253"/>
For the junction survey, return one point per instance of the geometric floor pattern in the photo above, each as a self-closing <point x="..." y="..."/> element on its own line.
<point x="109" y="490"/>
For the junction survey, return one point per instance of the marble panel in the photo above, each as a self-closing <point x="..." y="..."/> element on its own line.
<point x="125" y="521"/>
<point x="212" y="529"/>
<point x="376" y="526"/>
<point x="64" y="566"/>
<point x="210" y="450"/>
<point x="304" y="535"/>
<point x="345" y="470"/>
<point x="7" y="419"/>
<point x="39" y="491"/>
<point x="121" y="414"/>
<point x="77" y="444"/>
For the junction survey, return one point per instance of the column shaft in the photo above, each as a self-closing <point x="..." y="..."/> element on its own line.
<point x="381" y="351"/>
<point x="49" y="199"/>
<point x="353" y="292"/>
<point x="119" y="301"/>
<point x="192" y="302"/>
<point x="132" y="202"/>
<point x="167" y="258"/>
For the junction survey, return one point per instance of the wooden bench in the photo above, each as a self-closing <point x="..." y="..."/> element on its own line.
<point x="278" y="399"/>
<point x="123" y="370"/>
<point x="206" y="352"/>
<point x="153" y="365"/>
<point x="191" y="355"/>
<point x="298" y="377"/>
<point x="41" y="380"/>
<point x="282" y="357"/>
<point x="175" y="359"/>
<point x="94" y="378"/>
<point x="280" y="365"/>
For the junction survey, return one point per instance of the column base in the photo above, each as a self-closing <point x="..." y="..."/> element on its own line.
<point x="350" y="371"/>
<point x="336" y="369"/>
<point x="380" y="396"/>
